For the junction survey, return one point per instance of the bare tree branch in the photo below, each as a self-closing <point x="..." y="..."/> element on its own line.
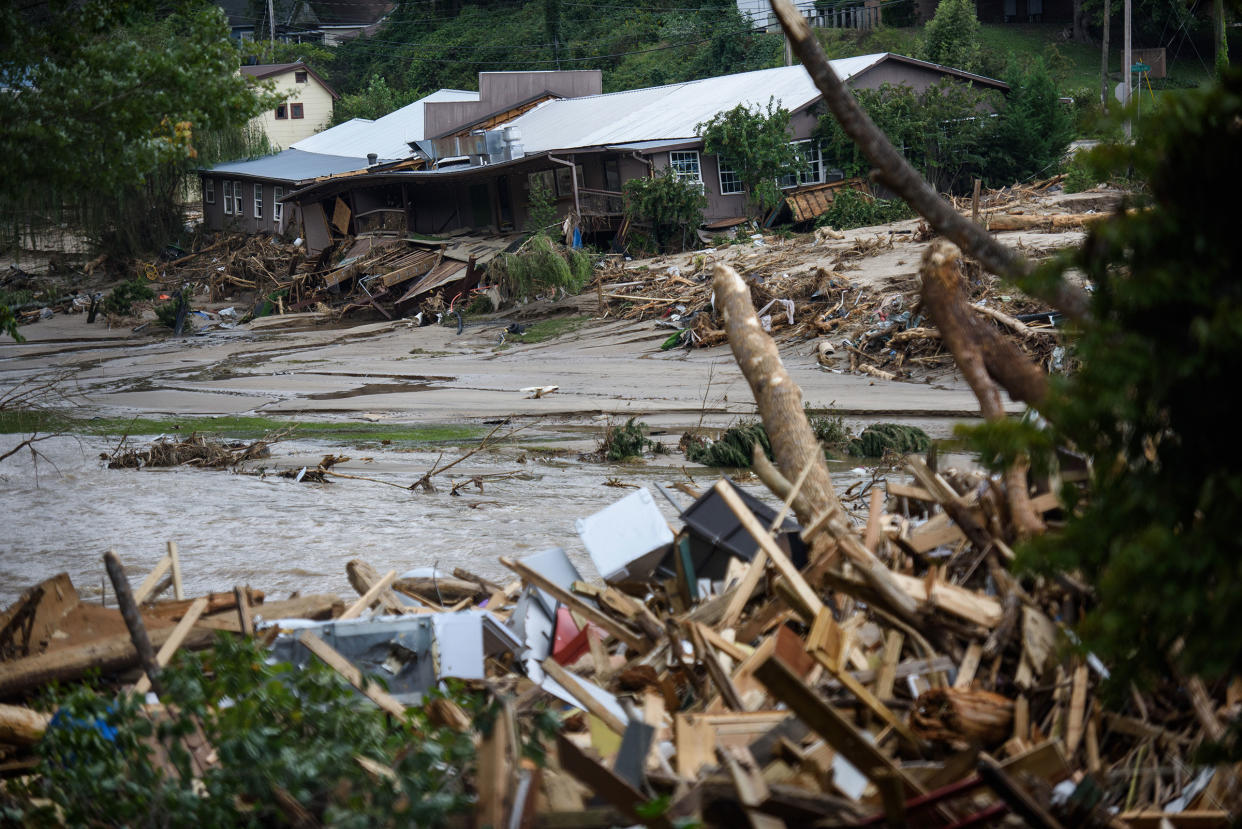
<point x="897" y="174"/>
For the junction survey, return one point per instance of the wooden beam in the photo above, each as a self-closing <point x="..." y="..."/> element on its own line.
<point x="334" y="660"/>
<point x="371" y="596"/>
<point x="173" y="642"/>
<point x="243" y="611"/>
<point x="834" y="728"/>
<point x="153" y="578"/>
<point x="174" y="558"/>
<point x="588" y="703"/>
<point x="606" y="783"/>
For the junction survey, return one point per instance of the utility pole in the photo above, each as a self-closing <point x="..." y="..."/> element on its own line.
<point x="1127" y="61"/>
<point x="1104" y="60"/>
<point x="1221" y="46"/>
<point x="271" y="24"/>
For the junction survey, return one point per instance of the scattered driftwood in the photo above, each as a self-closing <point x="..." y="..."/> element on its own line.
<point x="196" y="450"/>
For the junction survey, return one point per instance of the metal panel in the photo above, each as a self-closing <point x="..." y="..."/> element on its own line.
<point x="627" y="538"/>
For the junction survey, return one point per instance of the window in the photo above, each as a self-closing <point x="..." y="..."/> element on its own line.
<point x="295" y="111"/>
<point x="258" y="201"/>
<point x="282" y="112"/>
<point x="544" y="177"/>
<point x="564" y="184"/>
<point x="237" y="198"/>
<point x="612" y="175"/>
<point x="730" y="182"/>
<point x="278" y="207"/>
<point x="209" y="190"/>
<point x="228" y="198"/>
<point x="810" y="165"/>
<point x="300" y="76"/>
<point x="685" y="165"/>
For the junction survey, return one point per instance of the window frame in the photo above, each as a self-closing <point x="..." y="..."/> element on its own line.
<point x="237" y="200"/>
<point x="807" y="161"/>
<point x="677" y="165"/>
<point x="278" y="207"/>
<point x="723" y="166"/>
<point x="297" y="111"/>
<point x="227" y="190"/>
<point x="258" y="200"/>
<point x="282" y="112"/>
<point x="209" y="191"/>
<point x="301" y="76"/>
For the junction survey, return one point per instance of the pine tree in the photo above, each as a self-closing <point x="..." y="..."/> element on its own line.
<point x="952" y="36"/>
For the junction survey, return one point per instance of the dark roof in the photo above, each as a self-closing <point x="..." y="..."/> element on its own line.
<point x="979" y="80"/>
<point x="358" y="13"/>
<point x="270" y="70"/>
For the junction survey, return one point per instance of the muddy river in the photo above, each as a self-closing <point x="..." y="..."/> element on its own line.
<point x="66" y="510"/>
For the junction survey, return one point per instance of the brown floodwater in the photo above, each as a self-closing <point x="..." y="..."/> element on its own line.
<point x="281" y="536"/>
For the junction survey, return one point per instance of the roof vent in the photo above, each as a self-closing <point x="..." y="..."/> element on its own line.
<point x="372" y="159"/>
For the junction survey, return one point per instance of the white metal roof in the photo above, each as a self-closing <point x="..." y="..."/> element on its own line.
<point x="669" y="112"/>
<point x="388" y="137"/>
<point x="292" y="166"/>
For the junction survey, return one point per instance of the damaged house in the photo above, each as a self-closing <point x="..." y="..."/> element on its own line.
<point x="475" y="166"/>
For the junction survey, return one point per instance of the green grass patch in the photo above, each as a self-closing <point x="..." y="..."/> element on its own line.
<point x="17" y="422"/>
<point x="547" y="330"/>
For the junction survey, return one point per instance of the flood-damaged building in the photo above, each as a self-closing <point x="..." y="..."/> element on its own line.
<point x="477" y="159"/>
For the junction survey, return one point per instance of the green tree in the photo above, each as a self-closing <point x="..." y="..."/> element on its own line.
<point x="669" y="204"/>
<point x="952" y="36"/>
<point x="375" y="101"/>
<point x="1033" y="129"/>
<point x="755" y="143"/>
<point x="104" y="101"/>
<point x="541" y="212"/>
<point x="1154" y="532"/>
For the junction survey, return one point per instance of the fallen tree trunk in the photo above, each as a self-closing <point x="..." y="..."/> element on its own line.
<point x="21" y="726"/>
<point x="776" y="394"/>
<point x="1030" y="221"/>
<point x="981" y="354"/>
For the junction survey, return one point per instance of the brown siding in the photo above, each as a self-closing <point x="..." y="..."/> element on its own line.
<point x="502" y="90"/>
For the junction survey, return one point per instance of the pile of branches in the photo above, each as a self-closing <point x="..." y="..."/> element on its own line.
<point x="196" y="450"/>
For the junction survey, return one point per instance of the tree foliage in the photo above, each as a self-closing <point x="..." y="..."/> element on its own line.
<point x="376" y="100"/>
<point x="1034" y="128"/>
<point x="669" y="204"/>
<point x="105" y="106"/>
<point x="952" y="36"/>
<point x="754" y="142"/>
<point x="1155" y="531"/>
<point x="277" y="732"/>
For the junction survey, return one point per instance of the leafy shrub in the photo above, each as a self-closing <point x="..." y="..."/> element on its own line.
<point x="756" y="144"/>
<point x="669" y="204"/>
<point x="1033" y="129"/>
<point x="166" y="313"/>
<point x="952" y="36"/>
<point x="620" y="443"/>
<point x="829" y="427"/>
<point x="879" y="438"/>
<point x="278" y="733"/>
<point x="540" y="265"/>
<point x="541" y="213"/>
<point x="850" y="208"/>
<point x="733" y="448"/>
<point x="121" y="301"/>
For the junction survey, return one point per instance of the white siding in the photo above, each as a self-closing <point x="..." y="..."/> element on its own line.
<point x="316" y="104"/>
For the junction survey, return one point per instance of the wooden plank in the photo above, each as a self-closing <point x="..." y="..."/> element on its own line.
<point x="1019" y="800"/>
<point x="1190" y="819"/>
<point x="333" y="659"/>
<point x="896" y="489"/>
<point x="244" y="619"/>
<point x="1078" y="710"/>
<point x="371" y="596"/>
<point x="340" y="215"/>
<point x="174" y="557"/>
<point x="590" y="612"/>
<point x="806" y="596"/>
<point x="695" y="739"/>
<point x="152" y="579"/>
<point x="887" y="675"/>
<point x="965" y="604"/>
<point x="170" y="646"/>
<point x="834" y="667"/>
<point x="969" y="667"/>
<point x="588" y="703"/>
<point x="937" y="532"/>
<point x="732" y="649"/>
<point x="604" y="782"/>
<point x="745" y="589"/>
<point x="834" y="728"/>
<point x="711" y="662"/>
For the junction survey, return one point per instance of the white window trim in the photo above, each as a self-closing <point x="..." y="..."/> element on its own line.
<point x="228" y="197"/>
<point x="721" y="168"/>
<point x="278" y="207"/>
<point x="800" y="179"/>
<point x="683" y="176"/>
<point x="209" y="191"/>
<point x="258" y="201"/>
<point x="237" y="199"/>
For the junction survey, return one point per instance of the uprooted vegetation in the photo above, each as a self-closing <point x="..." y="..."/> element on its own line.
<point x="540" y="265"/>
<point x="735" y="447"/>
<point x="197" y="450"/>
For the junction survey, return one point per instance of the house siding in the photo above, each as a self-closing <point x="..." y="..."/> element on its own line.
<point x="317" y="110"/>
<point x="214" y="217"/>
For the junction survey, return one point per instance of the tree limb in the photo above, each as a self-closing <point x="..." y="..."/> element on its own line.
<point x="897" y="174"/>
